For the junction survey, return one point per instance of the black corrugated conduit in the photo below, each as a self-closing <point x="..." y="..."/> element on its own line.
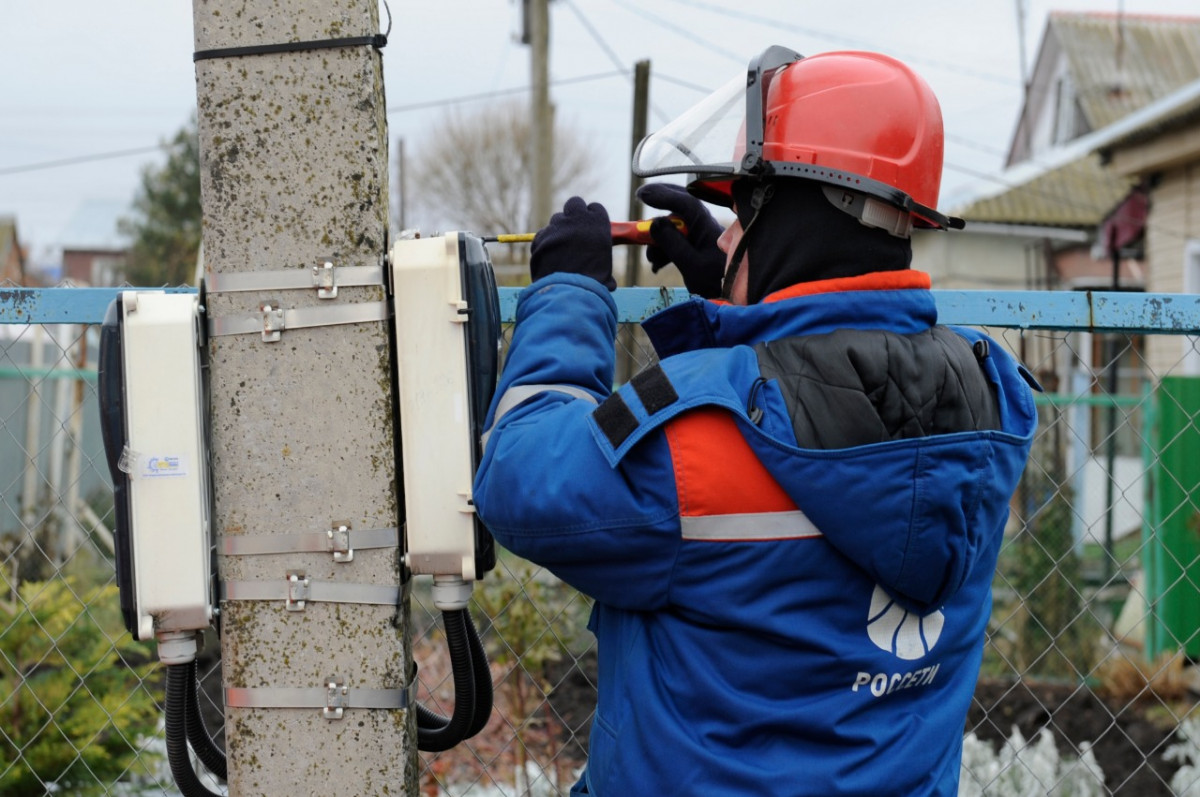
<point x="181" y="693"/>
<point x="472" y="689"/>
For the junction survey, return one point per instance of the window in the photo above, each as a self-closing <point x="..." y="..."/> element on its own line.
<point x="1068" y="121"/>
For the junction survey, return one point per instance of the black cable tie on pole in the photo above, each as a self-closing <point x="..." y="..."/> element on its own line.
<point x="378" y="41"/>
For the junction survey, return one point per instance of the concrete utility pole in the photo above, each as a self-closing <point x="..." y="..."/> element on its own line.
<point x="538" y="32"/>
<point x="314" y="628"/>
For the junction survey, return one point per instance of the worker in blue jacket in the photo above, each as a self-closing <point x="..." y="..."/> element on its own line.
<point x="790" y="523"/>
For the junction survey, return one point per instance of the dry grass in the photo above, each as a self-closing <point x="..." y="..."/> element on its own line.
<point x="1127" y="677"/>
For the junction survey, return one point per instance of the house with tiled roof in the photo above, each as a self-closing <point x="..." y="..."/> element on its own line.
<point x="1097" y="192"/>
<point x="1037" y="224"/>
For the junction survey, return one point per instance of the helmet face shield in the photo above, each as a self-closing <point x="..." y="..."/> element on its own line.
<point x="713" y="137"/>
<point x="701" y="141"/>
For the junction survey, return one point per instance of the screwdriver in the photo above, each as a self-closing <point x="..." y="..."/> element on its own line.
<point x="623" y="232"/>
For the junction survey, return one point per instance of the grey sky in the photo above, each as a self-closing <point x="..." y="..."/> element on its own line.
<point x="82" y="78"/>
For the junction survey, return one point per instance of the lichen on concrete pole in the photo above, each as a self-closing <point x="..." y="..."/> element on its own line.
<point x="293" y="151"/>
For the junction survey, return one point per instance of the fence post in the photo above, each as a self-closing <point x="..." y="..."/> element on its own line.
<point x="293" y="151"/>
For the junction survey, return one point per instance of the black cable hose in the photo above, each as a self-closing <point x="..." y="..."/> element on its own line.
<point x="211" y="756"/>
<point x="181" y="678"/>
<point x="436" y="733"/>
<point x="483" y="680"/>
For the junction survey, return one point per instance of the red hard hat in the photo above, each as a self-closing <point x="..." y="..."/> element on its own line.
<point x="861" y="113"/>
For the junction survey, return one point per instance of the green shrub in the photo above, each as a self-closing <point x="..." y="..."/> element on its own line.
<point x="76" y="702"/>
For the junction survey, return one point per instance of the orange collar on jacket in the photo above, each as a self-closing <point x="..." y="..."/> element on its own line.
<point x="875" y="281"/>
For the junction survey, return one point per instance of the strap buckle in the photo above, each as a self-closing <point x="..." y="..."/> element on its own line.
<point x="273" y="323"/>
<point x="339" y="542"/>
<point x="324" y="277"/>
<point x="298" y="590"/>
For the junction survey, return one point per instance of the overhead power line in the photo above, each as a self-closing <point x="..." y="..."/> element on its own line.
<point x="595" y="34"/>
<point x="487" y="95"/>
<point x="677" y="29"/>
<point x="125" y="153"/>
<point x="781" y="24"/>
<point x="612" y="55"/>
<point x="98" y="156"/>
<point x="687" y="84"/>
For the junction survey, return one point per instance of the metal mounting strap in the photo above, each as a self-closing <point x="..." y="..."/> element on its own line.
<point x="326" y="277"/>
<point x="271" y="320"/>
<point x="333" y="698"/>
<point x="340" y="540"/>
<point x="297" y="589"/>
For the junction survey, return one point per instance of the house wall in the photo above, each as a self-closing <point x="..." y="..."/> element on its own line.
<point x="977" y="261"/>
<point x="1033" y="128"/>
<point x="1172" y="237"/>
<point x="95" y="267"/>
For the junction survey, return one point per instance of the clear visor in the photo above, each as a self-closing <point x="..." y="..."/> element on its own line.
<point x="705" y="140"/>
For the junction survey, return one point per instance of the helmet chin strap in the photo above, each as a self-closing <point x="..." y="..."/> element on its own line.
<point x="761" y="196"/>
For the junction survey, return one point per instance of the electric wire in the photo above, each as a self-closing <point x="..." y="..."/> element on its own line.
<point x="681" y="31"/>
<point x="776" y="23"/>
<point x="687" y="84"/>
<point x="612" y="55"/>
<point x="418" y="106"/>
<point x="98" y="156"/>
<point x="595" y="34"/>
<point x="124" y="153"/>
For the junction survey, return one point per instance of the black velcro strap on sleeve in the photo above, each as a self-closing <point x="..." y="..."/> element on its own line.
<point x="654" y="389"/>
<point x="615" y="419"/>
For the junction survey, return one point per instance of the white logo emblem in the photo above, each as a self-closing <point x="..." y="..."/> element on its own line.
<point x="904" y="634"/>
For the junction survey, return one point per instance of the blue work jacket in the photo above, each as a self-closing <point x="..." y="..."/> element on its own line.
<point x="770" y="619"/>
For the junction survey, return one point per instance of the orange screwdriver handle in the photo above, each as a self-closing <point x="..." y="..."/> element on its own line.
<point x="623" y="232"/>
<point x="638" y="232"/>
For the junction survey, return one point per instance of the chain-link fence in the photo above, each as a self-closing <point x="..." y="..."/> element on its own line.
<point x="1088" y="686"/>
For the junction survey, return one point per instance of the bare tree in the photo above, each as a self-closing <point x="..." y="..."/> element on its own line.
<point x="474" y="171"/>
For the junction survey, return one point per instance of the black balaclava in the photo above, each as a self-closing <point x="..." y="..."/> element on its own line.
<point x="800" y="236"/>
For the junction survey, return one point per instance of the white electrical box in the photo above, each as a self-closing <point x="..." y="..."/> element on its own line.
<point x="442" y="398"/>
<point x="164" y="525"/>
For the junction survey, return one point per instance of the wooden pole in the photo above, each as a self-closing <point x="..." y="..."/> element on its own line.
<point x="542" y="204"/>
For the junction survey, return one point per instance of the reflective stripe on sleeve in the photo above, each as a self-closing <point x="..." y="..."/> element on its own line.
<point x="748" y="527"/>
<point x="516" y="394"/>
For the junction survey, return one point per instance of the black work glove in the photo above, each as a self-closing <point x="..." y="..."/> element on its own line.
<point x="576" y="241"/>
<point x="696" y="254"/>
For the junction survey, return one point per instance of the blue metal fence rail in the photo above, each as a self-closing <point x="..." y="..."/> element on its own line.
<point x="1093" y="311"/>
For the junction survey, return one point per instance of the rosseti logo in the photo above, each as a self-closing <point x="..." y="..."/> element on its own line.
<point x="902" y="633"/>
